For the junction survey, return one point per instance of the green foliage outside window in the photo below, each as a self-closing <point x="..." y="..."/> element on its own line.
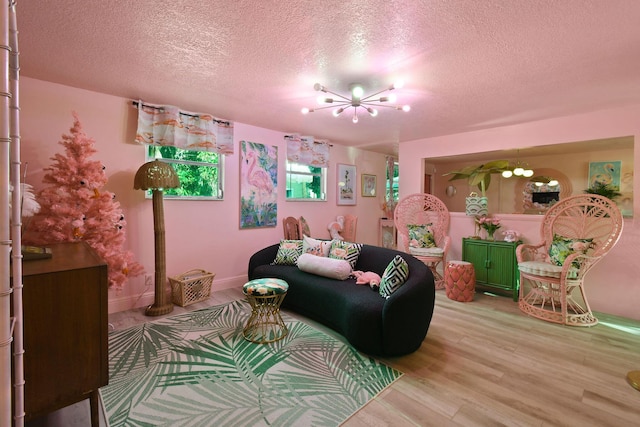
<point x="200" y="172"/>
<point x="392" y="183"/>
<point x="305" y="182"/>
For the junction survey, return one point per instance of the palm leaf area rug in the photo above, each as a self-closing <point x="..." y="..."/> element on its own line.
<point x="196" y="369"/>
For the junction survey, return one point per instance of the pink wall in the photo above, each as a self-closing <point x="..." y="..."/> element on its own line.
<point x="206" y="234"/>
<point x="612" y="286"/>
<point x="199" y="234"/>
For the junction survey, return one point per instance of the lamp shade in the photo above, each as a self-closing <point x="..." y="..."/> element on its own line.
<point x="155" y="175"/>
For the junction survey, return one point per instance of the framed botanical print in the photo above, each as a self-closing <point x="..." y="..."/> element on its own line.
<point x="346" y="184"/>
<point x="369" y="183"/>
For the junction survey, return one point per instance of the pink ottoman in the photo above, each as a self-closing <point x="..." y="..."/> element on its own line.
<point x="459" y="281"/>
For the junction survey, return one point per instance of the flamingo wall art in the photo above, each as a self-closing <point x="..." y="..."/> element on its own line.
<point x="607" y="173"/>
<point x="258" y="185"/>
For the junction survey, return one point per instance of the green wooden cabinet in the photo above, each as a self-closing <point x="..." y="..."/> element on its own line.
<point x="495" y="264"/>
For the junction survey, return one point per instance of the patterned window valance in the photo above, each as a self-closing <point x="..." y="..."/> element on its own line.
<point x="307" y="151"/>
<point x="167" y="125"/>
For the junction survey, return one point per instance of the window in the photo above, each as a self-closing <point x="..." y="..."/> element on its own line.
<point x="200" y="172"/>
<point x="391" y="190"/>
<point x="306" y="182"/>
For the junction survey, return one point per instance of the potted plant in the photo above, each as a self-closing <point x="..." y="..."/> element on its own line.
<point x="480" y="175"/>
<point x="603" y="189"/>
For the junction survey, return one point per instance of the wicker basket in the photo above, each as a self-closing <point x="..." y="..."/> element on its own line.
<point x="191" y="287"/>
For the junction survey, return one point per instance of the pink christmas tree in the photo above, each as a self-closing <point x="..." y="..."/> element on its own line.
<point x="75" y="207"/>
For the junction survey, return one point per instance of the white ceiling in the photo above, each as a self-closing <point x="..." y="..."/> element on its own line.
<point x="467" y="64"/>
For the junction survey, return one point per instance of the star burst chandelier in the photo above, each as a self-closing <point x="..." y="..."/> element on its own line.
<point x="368" y="103"/>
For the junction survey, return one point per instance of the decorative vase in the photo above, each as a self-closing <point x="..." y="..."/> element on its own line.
<point x="475" y="205"/>
<point x="490" y="235"/>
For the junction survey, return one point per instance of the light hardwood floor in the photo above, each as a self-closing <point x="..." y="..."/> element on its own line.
<point x="484" y="363"/>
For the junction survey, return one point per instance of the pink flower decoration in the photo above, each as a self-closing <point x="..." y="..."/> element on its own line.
<point x="579" y="246"/>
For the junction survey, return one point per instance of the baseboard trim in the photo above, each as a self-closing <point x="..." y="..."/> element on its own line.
<point x="129" y="302"/>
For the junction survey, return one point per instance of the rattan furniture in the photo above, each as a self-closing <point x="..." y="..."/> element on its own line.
<point x="424" y="209"/>
<point x="589" y="225"/>
<point x="191" y="287"/>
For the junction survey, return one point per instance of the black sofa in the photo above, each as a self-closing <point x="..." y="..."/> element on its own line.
<point x="372" y="324"/>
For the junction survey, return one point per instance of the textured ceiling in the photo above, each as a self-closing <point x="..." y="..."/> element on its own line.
<point x="467" y="64"/>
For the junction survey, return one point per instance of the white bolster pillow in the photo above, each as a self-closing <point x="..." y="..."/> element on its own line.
<point x="328" y="267"/>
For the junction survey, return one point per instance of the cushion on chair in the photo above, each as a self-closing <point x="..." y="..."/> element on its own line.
<point x="421" y="236"/>
<point x="561" y="247"/>
<point x="430" y="252"/>
<point x="540" y="268"/>
<point x="265" y="287"/>
<point x="546" y="269"/>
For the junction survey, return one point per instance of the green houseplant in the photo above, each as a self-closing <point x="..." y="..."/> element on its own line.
<point x="480" y="175"/>
<point x="603" y="189"/>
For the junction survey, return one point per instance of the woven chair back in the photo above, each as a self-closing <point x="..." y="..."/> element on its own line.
<point x="420" y="209"/>
<point x="584" y="216"/>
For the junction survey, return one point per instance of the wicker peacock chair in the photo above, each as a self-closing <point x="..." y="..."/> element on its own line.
<point x="422" y="221"/>
<point x="576" y="233"/>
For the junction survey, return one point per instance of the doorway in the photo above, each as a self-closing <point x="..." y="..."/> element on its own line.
<point x="427" y="183"/>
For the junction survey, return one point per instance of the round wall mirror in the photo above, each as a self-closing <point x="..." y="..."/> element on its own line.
<point x="540" y="192"/>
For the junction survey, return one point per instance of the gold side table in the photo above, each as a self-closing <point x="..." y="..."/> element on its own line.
<point x="265" y="324"/>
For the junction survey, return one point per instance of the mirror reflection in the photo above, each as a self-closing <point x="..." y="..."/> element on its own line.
<point x="540" y="193"/>
<point x="572" y="164"/>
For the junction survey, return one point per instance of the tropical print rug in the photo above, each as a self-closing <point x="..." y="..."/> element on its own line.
<point x="196" y="369"/>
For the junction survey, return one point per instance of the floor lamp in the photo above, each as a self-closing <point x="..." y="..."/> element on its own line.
<point x="156" y="176"/>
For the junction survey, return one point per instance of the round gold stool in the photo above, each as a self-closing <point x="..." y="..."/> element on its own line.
<point x="265" y="323"/>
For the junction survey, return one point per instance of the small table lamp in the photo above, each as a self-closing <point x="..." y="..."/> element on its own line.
<point x="156" y="176"/>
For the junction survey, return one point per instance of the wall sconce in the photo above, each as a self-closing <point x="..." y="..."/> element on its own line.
<point x="450" y="191"/>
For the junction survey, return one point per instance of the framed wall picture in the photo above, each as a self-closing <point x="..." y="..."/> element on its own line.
<point x="258" y="185"/>
<point x="346" y="184"/>
<point x="607" y="173"/>
<point x="369" y="183"/>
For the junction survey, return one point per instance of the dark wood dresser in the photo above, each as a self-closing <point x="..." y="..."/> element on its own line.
<point x="65" y="329"/>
